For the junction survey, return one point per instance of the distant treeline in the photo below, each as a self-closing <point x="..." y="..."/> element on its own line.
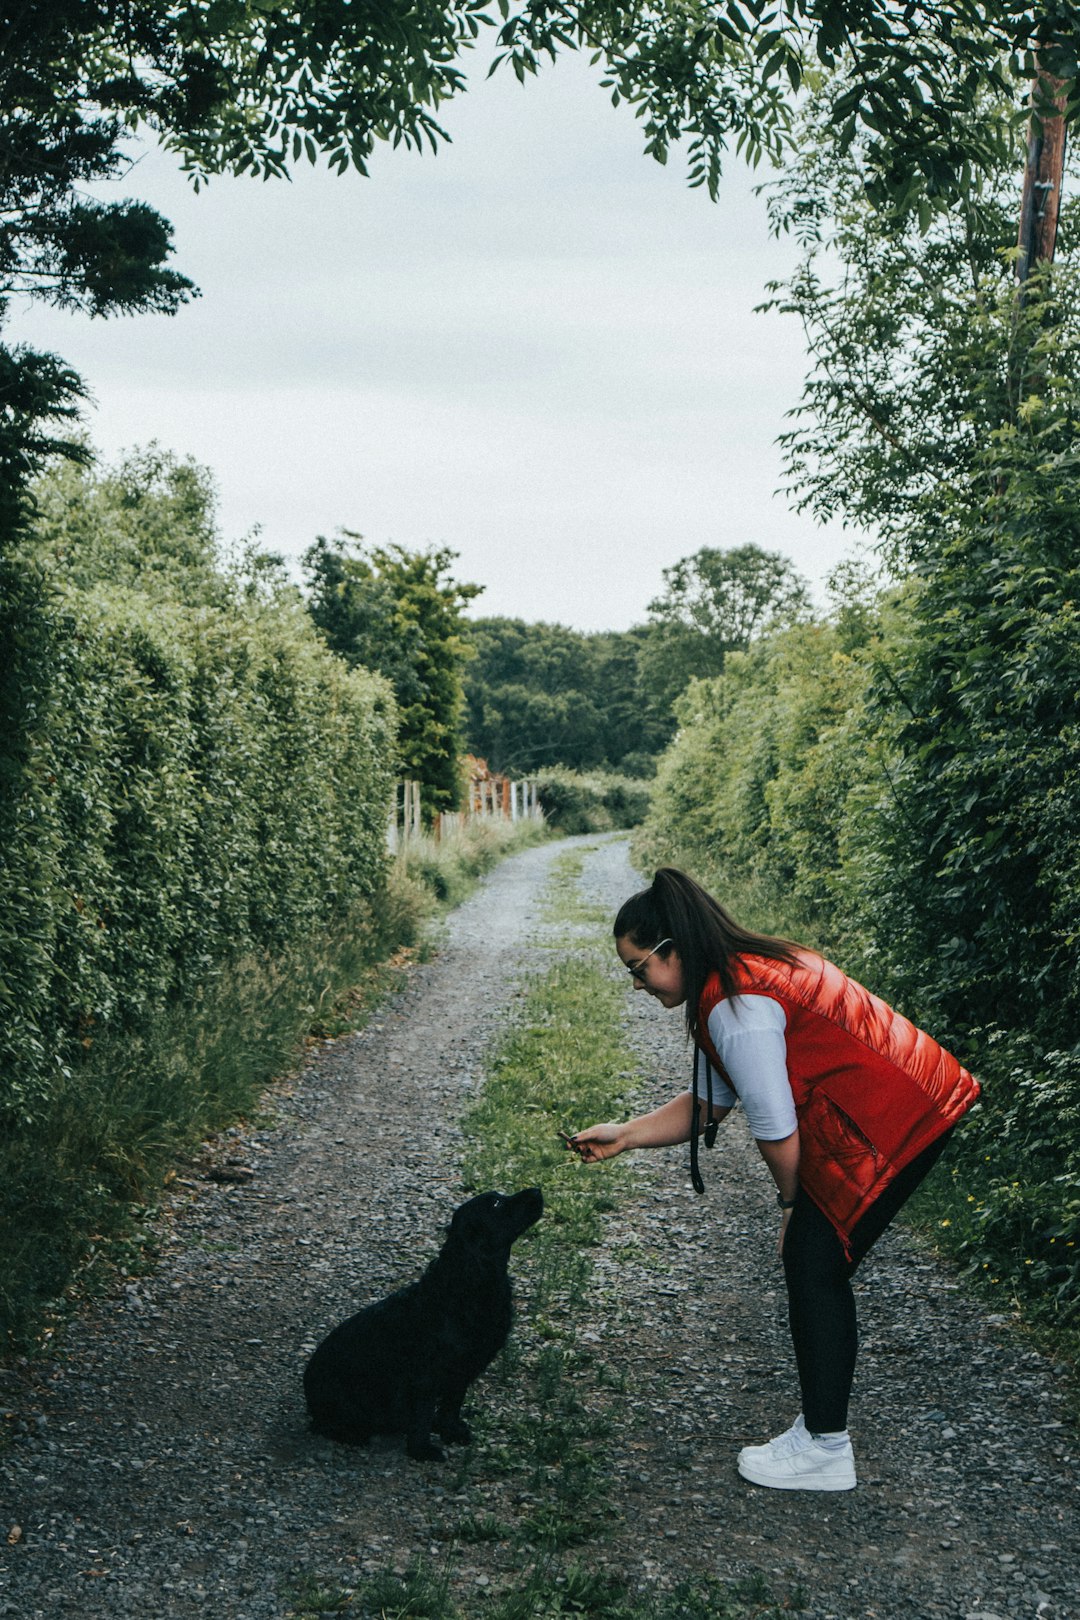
<point x="543" y="694"/>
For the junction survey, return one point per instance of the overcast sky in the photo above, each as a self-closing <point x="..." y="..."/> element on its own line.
<point x="537" y="347"/>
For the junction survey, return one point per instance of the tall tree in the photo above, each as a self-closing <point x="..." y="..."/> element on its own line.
<point x="942" y="413"/>
<point x="1044" y="173"/>
<point x="715" y="603"/>
<point x="58" y="136"/>
<point x="400" y="613"/>
<point x="912" y="364"/>
<point x="970" y="860"/>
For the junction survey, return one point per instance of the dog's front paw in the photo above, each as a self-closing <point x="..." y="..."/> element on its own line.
<point x="421" y="1448"/>
<point x="455" y="1431"/>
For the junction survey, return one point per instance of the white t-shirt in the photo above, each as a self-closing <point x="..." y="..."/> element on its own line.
<point x="748" y="1033"/>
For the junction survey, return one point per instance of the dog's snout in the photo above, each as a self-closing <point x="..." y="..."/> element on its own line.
<point x="528" y="1206"/>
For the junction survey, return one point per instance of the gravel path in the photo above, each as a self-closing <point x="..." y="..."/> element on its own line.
<point x="161" y="1464"/>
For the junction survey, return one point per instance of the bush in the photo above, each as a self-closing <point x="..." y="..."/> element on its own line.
<point x="1010" y="1210"/>
<point x="578" y="802"/>
<point x="446" y="868"/>
<point x="752" y="795"/>
<point x="193" y="864"/>
<point x="115" y="1122"/>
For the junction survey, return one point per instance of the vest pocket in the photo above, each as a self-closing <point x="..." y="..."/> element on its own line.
<point x="839" y="1164"/>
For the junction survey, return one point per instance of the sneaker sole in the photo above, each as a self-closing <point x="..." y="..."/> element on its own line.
<point x="804" y="1482"/>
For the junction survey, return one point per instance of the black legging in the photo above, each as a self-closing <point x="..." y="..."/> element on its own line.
<point x="821" y="1304"/>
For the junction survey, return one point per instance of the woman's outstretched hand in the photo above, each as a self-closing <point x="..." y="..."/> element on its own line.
<point x="598" y="1142"/>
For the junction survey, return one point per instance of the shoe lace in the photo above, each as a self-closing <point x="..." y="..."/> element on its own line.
<point x="795" y="1439"/>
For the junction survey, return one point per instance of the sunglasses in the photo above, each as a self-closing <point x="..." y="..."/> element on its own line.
<point x="636" y="970"/>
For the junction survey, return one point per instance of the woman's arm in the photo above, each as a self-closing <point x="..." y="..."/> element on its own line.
<point x="666" y="1125"/>
<point x="782" y="1159"/>
<point x="749" y="1032"/>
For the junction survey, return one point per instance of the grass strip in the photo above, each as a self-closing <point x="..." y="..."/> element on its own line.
<point x="564" y="1065"/>
<point x="424" y="1593"/>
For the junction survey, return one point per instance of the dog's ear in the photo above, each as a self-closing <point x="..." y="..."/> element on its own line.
<point x="473" y="1225"/>
<point x="462" y="1220"/>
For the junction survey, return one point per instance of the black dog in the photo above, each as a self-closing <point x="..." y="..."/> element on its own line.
<point x="405" y="1363"/>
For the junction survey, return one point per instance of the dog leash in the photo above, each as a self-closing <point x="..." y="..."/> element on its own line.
<point x="711" y="1125"/>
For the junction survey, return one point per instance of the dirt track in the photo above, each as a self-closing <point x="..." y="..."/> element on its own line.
<point x="161" y="1464"/>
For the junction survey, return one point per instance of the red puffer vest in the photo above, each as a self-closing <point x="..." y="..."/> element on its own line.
<point x="871" y="1091"/>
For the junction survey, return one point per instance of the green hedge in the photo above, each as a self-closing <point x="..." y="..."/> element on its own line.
<point x="179" y="786"/>
<point x="596" y="801"/>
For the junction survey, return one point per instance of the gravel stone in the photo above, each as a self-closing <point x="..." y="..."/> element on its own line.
<point x="160" y="1461"/>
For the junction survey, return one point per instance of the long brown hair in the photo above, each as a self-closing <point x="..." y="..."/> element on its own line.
<point x="705" y="936"/>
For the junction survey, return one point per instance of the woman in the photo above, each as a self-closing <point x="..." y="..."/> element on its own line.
<point x="850" y="1106"/>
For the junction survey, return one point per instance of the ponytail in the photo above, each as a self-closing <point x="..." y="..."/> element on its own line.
<point x="705" y="936"/>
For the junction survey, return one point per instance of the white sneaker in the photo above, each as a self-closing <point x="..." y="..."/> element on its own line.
<point x="795" y="1461"/>
<point x="790" y="1440"/>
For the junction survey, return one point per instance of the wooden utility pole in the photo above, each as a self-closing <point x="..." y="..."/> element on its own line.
<point x="1043" y="172"/>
